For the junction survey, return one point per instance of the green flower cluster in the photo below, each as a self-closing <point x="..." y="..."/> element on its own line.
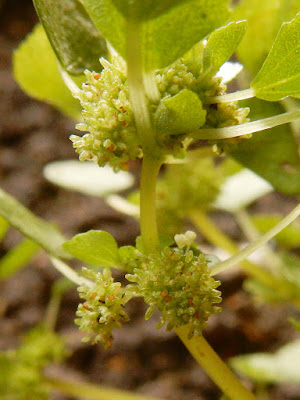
<point x="21" y="369"/>
<point x="184" y="188"/>
<point x="108" y="118"/>
<point x="177" y="281"/>
<point x="102" y="310"/>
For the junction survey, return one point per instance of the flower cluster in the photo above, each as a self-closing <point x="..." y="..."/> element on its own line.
<point x="177" y="281"/>
<point x="102" y="310"/>
<point x="21" y="369"/>
<point x="108" y="117"/>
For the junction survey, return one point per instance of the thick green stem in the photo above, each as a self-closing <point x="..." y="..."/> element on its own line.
<point x="88" y="391"/>
<point x="149" y="232"/>
<point x="136" y="86"/>
<point x="219" y="239"/>
<point x="214" y="366"/>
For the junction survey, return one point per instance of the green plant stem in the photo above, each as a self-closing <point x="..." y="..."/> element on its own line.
<point x="219" y="239"/>
<point x="214" y="366"/>
<point x="247" y="128"/>
<point x="148" y="222"/>
<point x="88" y="391"/>
<point x="69" y="273"/>
<point x="136" y="87"/>
<point x="257" y="243"/>
<point x="236" y="96"/>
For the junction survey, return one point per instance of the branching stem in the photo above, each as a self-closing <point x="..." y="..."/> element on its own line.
<point x="257" y="243"/>
<point x="69" y="273"/>
<point x="236" y="96"/>
<point x="92" y="392"/>
<point x="247" y="128"/>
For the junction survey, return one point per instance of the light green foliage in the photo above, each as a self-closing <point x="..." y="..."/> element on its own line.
<point x="40" y="231"/>
<point x="102" y="310"/>
<point x="220" y="46"/>
<point x="17" y="257"/>
<point x="279" y="76"/>
<point x="272" y="154"/>
<point x="94" y="247"/>
<point x="288" y="238"/>
<point x="184" y="188"/>
<point x="21" y="369"/>
<point x="264" y="20"/>
<point x="179" y="114"/>
<point x="295" y="323"/>
<point x="282" y="366"/>
<point x="288" y="275"/>
<point x="144" y="9"/>
<point x="75" y="40"/>
<point x="163" y="40"/>
<point x="36" y="71"/>
<point x="177" y="281"/>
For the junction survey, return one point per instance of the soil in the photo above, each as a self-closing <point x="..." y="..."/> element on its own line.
<point x="142" y="359"/>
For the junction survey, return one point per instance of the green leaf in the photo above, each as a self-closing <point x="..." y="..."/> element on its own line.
<point x="166" y="37"/>
<point x="288" y="238"/>
<point x="35" y="228"/>
<point x="179" y="114"/>
<point x="282" y="366"/>
<point x="145" y="9"/>
<point x="17" y="258"/>
<point x="221" y="44"/>
<point x="264" y="20"/>
<point x="87" y="178"/>
<point x="272" y="154"/>
<point x="74" y="38"/>
<point x="171" y="35"/>
<point x="4" y="225"/>
<point x="94" y="247"/>
<point x="279" y="76"/>
<point x="36" y="71"/>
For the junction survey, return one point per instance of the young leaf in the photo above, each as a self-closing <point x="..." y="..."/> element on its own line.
<point x="166" y="37"/>
<point x="264" y="19"/>
<point x="36" y="71"/>
<point x="87" y="178"/>
<point x="221" y="44"/>
<point x="74" y="38"/>
<point x="272" y="154"/>
<point x="17" y="257"/>
<point x="281" y="367"/>
<point x="279" y="76"/>
<point x="179" y="114"/>
<point x="94" y="247"/>
<point x="40" y="231"/>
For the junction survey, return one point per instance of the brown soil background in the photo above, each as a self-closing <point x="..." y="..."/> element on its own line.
<point x="142" y="358"/>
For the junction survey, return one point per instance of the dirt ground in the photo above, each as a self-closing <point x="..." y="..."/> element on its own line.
<point x="142" y="359"/>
